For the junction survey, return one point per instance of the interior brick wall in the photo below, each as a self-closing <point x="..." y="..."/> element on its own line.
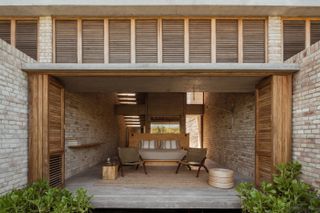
<point x="13" y="118"/>
<point x="229" y="131"/>
<point x="306" y="113"/>
<point x="89" y="118"/>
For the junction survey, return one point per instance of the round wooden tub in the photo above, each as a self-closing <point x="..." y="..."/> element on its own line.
<point x="221" y="178"/>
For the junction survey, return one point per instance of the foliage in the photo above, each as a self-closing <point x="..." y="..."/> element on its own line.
<point x="285" y="194"/>
<point x="40" y="197"/>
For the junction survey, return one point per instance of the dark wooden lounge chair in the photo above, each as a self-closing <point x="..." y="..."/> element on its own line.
<point x="130" y="157"/>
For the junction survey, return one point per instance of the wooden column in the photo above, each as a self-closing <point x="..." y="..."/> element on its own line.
<point x="38" y="127"/>
<point x="273" y="125"/>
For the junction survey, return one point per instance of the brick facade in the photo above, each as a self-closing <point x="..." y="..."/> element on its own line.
<point x="89" y="118"/>
<point x="13" y="118"/>
<point x="275" y="39"/>
<point x="45" y="39"/>
<point x="229" y="131"/>
<point x="306" y="113"/>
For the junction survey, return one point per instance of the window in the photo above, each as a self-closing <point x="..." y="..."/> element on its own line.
<point x="293" y="37"/>
<point x="165" y="127"/>
<point x="194" y="97"/>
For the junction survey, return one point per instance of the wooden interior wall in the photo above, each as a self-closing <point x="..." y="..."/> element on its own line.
<point x="273" y="125"/>
<point x="46" y="130"/>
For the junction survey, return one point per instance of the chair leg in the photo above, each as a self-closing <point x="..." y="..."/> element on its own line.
<point x="137" y="167"/>
<point x="121" y="170"/>
<point x="144" y="168"/>
<point x="206" y="168"/>
<point x="177" y="170"/>
<point x="189" y="167"/>
<point x="198" y="171"/>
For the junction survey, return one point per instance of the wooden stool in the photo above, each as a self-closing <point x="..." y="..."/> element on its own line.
<point x="221" y="178"/>
<point x="110" y="171"/>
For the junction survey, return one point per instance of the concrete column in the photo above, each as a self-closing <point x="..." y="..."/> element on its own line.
<point x="275" y="53"/>
<point x="45" y="39"/>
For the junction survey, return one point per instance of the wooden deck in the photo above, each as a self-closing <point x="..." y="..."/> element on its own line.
<point x="160" y="189"/>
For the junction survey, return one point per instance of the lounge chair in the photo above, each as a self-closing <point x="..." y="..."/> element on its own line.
<point x="130" y="157"/>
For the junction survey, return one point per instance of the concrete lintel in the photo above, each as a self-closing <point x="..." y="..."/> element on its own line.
<point x="158" y="68"/>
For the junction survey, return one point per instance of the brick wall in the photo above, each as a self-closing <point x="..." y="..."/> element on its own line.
<point x="13" y="118"/>
<point x="229" y="127"/>
<point x="89" y="118"/>
<point x="306" y="113"/>
<point x="45" y="39"/>
<point x="275" y="39"/>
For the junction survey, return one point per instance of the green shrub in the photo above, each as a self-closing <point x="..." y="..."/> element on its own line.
<point x="40" y="197"/>
<point x="285" y="194"/>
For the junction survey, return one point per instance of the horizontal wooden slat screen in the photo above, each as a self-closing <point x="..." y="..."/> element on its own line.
<point x="5" y="30"/>
<point x="146" y="41"/>
<point x="293" y="37"/>
<point x="199" y="40"/>
<point x="227" y="41"/>
<point x="253" y="41"/>
<point x="92" y="41"/>
<point x="26" y="37"/>
<point x="315" y="31"/>
<point x="119" y="41"/>
<point x="66" y="41"/>
<point x="173" y="41"/>
<point x="56" y="178"/>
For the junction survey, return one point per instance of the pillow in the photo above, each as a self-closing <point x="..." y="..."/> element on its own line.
<point x="174" y="144"/>
<point x="169" y="144"/>
<point x="146" y="144"/>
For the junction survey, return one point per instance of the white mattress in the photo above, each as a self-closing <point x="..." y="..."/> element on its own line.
<point x="162" y="154"/>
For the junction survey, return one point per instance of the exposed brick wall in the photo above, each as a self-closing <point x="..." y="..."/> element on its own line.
<point x="89" y="118"/>
<point x="229" y="131"/>
<point x="13" y="118"/>
<point x="45" y="39"/>
<point x="275" y="39"/>
<point x="306" y="113"/>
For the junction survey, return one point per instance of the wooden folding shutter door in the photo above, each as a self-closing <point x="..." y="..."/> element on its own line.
<point x="173" y="41"/>
<point x="26" y="37"/>
<point x="273" y="125"/>
<point x="92" y="41"/>
<point x="293" y="37"/>
<point x="46" y="130"/>
<point x="5" y="30"/>
<point x="227" y="41"/>
<point x="66" y="41"/>
<point x="315" y="31"/>
<point x="200" y="41"/>
<point x="254" y="41"/>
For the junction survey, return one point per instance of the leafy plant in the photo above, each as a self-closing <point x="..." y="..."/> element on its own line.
<point x="285" y="194"/>
<point x="40" y="197"/>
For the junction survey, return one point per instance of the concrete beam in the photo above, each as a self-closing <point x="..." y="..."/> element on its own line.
<point x="251" y="69"/>
<point x="159" y="8"/>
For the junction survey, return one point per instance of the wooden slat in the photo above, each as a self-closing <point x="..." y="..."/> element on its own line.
<point x="119" y="41"/>
<point x="315" y="31"/>
<point x="5" y="30"/>
<point x="56" y="178"/>
<point x="92" y="41"/>
<point x="66" y="41"/>
<point x="293" y="37"/>
<point x="200" y="40"/>
<point x="172" y="40"/>
<point x="26" y="37"/>
<point x="253" y="41"/>
<point x="146" y="40"/>
<point x="227" y="41"/>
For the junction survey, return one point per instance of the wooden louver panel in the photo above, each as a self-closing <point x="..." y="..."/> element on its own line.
<point x="26" y="37"/>
<point x="293" y="37"/>
<point x="264" y="145"/>
<point x="253" y="41"/>
<point x="56" y="178"/>
<point x="315" y="31"/>
<point x="66" y="41"/>
<point x="119" y="41"/>
<point x="173" y="41"/>
<point x="5" y="30"/>
<point x="200" y="40"/>
<point x="92" y="41"/>
<point x="227" y="41"/>
<point x="146" y="41"/>
<point x="55" y="117"/>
